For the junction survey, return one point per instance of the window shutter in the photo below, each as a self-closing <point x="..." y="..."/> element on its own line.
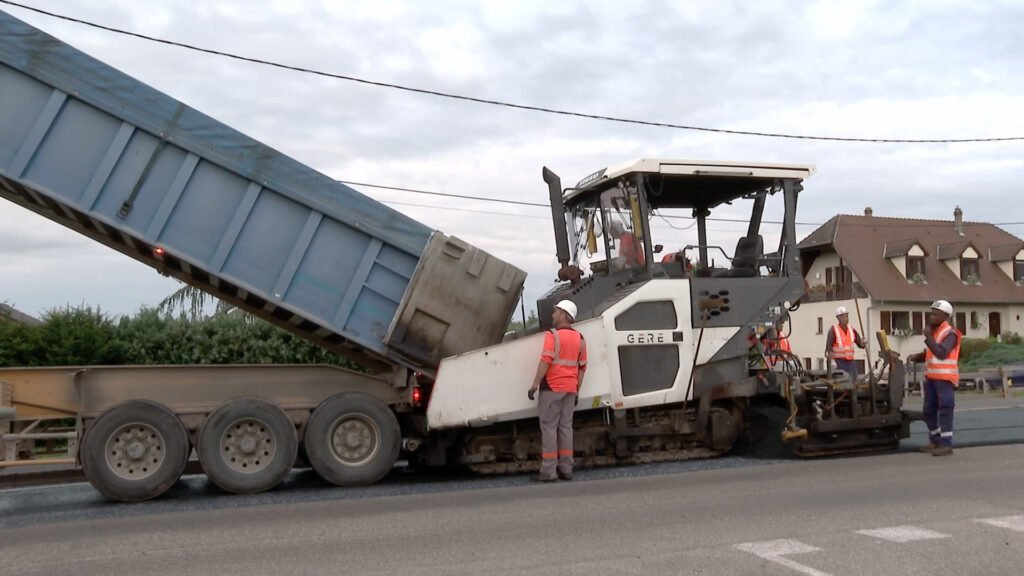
<point x="886" y="321"/>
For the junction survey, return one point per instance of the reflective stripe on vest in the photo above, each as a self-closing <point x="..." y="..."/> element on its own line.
<point x="559" y="361"/>
<point x="842" y="346"/>
<point x="944" y="369"/>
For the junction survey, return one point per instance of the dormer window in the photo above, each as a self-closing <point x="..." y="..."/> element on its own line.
<point x="962" y="259"/>
<point x="1010" y="260"/>
<point x="915" y="267"/>
<point x="969" y="271"/>
<point x="908" y="257"/>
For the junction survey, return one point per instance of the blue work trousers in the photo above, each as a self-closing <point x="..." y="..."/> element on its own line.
<point x="939" y="402"/>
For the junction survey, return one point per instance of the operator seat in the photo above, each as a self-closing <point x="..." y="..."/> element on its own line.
<point x="746" y="260"/>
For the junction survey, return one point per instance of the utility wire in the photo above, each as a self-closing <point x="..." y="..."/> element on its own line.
<point x="923" y="224"/>
<point x="526" y="107"/>
<point x="454" y="209"/>
<point x="445" y="194"/>
<point x="512" y="105"/>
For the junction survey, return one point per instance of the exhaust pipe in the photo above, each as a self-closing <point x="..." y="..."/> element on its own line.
<point x="565" y="272"/>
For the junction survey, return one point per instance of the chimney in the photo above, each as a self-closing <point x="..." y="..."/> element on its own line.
<point x="869" y="212"/>
<point x="958" y="221"/>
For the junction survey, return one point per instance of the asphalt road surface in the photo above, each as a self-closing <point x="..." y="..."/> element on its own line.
<point x="902" y="513"/>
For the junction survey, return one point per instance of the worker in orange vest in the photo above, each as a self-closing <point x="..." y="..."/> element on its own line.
<point x="942" y="376"/>
<point x="630" y="248"/>
<point x="559" y="376"/>
<point x="780" y="343"/>
<point x="840" y="342"/>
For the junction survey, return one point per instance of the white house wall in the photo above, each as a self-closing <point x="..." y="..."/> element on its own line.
<point x="900" y="263"/>
<point x="816" y="275"/>
<point x="808" y="343"/>
<point x="954" y="266"/>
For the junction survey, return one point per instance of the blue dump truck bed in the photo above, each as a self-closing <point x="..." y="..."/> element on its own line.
<point x="108" y="156"/>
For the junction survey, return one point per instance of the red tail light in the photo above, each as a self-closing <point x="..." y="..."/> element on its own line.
<point x="417" y="396"/>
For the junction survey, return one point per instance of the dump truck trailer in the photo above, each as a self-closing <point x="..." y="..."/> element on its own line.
<point x="97" y="151"/>
<point x="678" y="367"/>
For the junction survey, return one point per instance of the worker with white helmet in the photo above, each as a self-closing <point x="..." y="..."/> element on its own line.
<point x="942" y="376"/>
<point x="840" y="342"/>
<point x="559" y="376"/>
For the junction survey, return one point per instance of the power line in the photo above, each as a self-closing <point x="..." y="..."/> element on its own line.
<point x="454" y="209"/>
<point x="445" y="194"/>
<point x="526" y="107"/>
<point x="923" y="224"/>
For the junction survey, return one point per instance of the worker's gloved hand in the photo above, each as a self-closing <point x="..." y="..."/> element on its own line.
<point x="532" y="394"/>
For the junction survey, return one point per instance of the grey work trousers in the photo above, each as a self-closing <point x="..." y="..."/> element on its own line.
<point x="556" y="410"/>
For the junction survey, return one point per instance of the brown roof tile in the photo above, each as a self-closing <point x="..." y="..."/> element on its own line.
<point x="1005" y="253"/>
<point x="861" y="242"/>
<point x="898" y="248"/>
<point x="953" y="250"/>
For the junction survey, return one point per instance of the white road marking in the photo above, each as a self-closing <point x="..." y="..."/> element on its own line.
<point x="775" y="550"/>
<point x="1015" y="523"/>
<point x="903" y="534"/>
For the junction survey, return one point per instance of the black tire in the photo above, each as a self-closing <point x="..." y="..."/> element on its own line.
<point x="352" y="439"/>
<point x="247" y="445"/>
<point x="765" y="423"/>
<point x="134" y="451"/>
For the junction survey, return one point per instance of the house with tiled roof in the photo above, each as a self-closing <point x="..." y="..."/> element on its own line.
<point x="14" y="315"/>
<point x="892" y="269"/>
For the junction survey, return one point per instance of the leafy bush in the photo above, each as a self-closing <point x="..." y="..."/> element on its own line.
<point x="971" y="348"/>
<point x="1012" y="338"/>
<point x="996" y="355"/>
<point x="84" y="336"/>
<point x="19" y="344"/>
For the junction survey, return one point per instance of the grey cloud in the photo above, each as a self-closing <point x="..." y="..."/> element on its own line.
<point x="769" y="66"/>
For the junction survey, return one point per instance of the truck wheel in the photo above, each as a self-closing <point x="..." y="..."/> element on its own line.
<point x="134" y="451"/>
<point x="352" y="439"/>
<point x="765" y="425"/>
<point x="247" y="445"/>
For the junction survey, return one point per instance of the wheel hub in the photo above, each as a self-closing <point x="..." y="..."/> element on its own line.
<point x="135" y="451"/>
<point x="248" y="445"/>
<point x="355" y="440"/>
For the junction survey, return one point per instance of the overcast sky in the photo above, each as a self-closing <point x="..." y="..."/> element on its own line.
<point x="918" y="69"/>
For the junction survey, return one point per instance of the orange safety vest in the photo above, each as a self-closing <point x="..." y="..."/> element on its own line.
<point x="566" y="353"/>
<point x="842" y="346"/>
<point x="632" y="249"/>
<point x="947" y="369"/>
<point x="782" y="343"/>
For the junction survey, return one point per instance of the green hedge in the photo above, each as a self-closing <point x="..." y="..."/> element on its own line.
<point x="87" y="336"/>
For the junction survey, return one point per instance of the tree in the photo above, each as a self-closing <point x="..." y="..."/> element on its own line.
<point x="192" y="301"/>
<point x="531" y="322"/>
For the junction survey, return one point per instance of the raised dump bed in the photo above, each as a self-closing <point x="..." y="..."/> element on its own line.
<point x="120" y="162"/>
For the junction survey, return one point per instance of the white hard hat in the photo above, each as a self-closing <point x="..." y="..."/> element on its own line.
<point x="943" y="306"/>
<point x="841" y="310"/>
<point x="568" y="307"/>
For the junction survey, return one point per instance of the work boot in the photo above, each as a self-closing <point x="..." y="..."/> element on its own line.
<point x="943" y="451"/>
<point x="930" y="448"/>
<point x="565" y="476"/>
<point x="547" y="478"/>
